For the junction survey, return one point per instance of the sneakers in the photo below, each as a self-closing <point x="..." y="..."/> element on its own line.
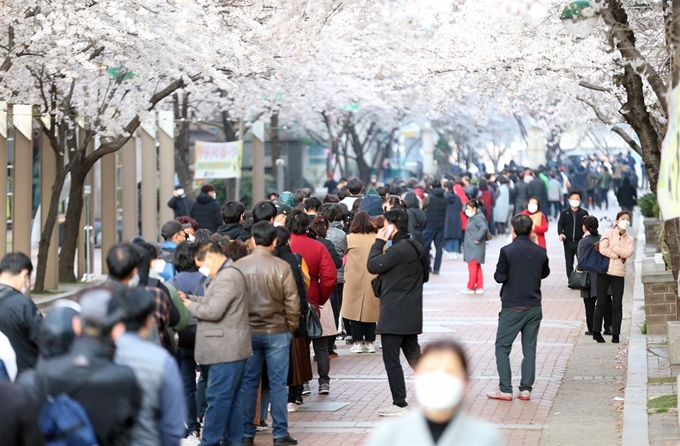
<point x="191" y="440"/>
<point x="524" y="395"/>
<point x="356" y="348"/>
<point x="292" y="407"/>
<point x="479" y="291"/>
<point x="368" y="348"/>
<point x="262" y="427"/>
<point x="498" y="395"/>
<point x="467" y="291"/>
<point x="324" y="389"/>
<point x="393" y="411"/>
<point x="306" y="390"/>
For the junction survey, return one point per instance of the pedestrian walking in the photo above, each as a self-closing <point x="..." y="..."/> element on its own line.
<point x="402" y="269"/>
<point x="618" y="246"/>
<point x="359" y="302"/>
<point x="570" y="229"/>
<point x="627" y="196"/>
<point x="539" y="189"/>
<point x="554" y="197"/>
<point x="274" y="314"/>
<point x="522" y="265"/>
<point x="206" y="210"/>
<point x="417" y="218"/>
<point x="501" y="209"/>
<point x="474" y="247"/>
<point x="453" y="225"/>
<point x="434" y="228"/>
<point x="441" y="381"/>
<point x="179" y="203"/>
<point x="539" y="219"/>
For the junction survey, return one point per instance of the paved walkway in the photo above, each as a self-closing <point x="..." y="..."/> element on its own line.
<point x="359" y="384"/>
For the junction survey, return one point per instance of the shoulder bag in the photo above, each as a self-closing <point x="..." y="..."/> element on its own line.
<point x="579" y="280"/>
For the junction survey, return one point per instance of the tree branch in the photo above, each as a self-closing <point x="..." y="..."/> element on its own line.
<point x="626" y="137"/>
<point x="590" y="86"/>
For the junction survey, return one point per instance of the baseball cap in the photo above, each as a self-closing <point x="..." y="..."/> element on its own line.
<point x="100" y="308"/>
<point x="283" y="209"/>
<point x="172" y="227"/>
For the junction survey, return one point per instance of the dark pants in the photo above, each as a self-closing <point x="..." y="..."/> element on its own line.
<point x="589" y="304"/>
<point x="510" y="324"/>
<point x="556" y="208"/>
<point x="570" y="251"/>
<point x="391" y="345"/>
<point x="224" y="416"/>
<point x="436" y="236"/>
<point x="604" y="281"/>
<point x="336" y="304"/>
<point x="363" y="331"/>
<point x="294" y="394"/>
<point x="323" y="360"/>
<point x="188" y="368"/>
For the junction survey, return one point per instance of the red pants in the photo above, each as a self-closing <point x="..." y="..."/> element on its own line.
<point x="476" y="281"/>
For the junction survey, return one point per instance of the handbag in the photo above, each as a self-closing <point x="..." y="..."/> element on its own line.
<point x="579" y="280"/>
<point x="593" y="261"/>
<point x="314" y="329"/>
<point x="376" y="284"/>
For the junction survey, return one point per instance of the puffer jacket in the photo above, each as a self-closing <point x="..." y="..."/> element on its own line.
<point x="274" y="305"/>
<point x="339" y="239"/>
<point x="617" y="247"/>
<point x="207" y="212"/>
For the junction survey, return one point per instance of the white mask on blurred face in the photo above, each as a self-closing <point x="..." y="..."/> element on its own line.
<point x="624" y="225"/>
<point x="574" y="203"/>
<point x="532" y="208"/>
<point x="159" y="265"/>
<point x="204" y="270"/>
<point x="438" y="390"/>
<point x="470" y="213"/>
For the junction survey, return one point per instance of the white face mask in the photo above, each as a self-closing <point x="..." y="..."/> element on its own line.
<point x="438" y="390"/>
<point x="134" y="282"/>
<point x="624" y="225"/>
<point x="25" y="290"/>
<point x="469" y="212"/>
<point x="574" y="203"/>
<point x="532" y="208"/>
<point x="180" y="192"/>
<point x="204" y="270"/>
<point x="191" y="238"/>
<point x="528" y="178"/>
<point x="159" y="265"/>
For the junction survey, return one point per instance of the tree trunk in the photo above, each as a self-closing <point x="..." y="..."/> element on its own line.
<point x="274" y="144"/>
<point x="182" y="140"/>
<point x="72" y="227"/>
<point x="48" y="228"/>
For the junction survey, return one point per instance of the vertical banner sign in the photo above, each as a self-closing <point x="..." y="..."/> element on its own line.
<point x="217" y="159"/>
<point x="668" y="188"/>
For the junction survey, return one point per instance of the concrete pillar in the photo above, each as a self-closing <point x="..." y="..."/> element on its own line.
<point x="47" y="176"/>
<point x="258" y="162"/>
<point x="3" y="178"/>
<point x="109" y="236"/>
<point x="149" y="195"/>
<point x="22" y="175"/>
<point x="82" y="270"/>
<point x="428" y="152"/>
<point x="128" y="158"/>
<point x="166" y="158"/>
<point x="537" y="147"/>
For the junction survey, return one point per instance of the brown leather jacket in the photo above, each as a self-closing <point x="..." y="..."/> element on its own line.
<point x="274" y="303"/>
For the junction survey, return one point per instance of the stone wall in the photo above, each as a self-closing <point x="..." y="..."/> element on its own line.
<point x="660" y="296"/>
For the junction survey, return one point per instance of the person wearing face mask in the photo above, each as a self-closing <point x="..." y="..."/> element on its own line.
<point x="191" y="231"/>
<point x="533" y="211"/>
<point x="180" y="203"/>
<point x="618" y="246"/>
<point x="173" y="233"/>
<point x="441" y="381"/>
<point x="570" y="229"/>
<point x="474" y="247"/>
<point x="207" y="210"/>
<point x="20" y="319"/>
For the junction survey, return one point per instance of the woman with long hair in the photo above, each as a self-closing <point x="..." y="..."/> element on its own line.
<point x="359" y="303"/>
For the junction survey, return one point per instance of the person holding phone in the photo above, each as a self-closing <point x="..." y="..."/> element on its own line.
<point x="475" y="247"/>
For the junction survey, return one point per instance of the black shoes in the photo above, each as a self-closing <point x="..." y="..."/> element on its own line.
<point x="615" y="339"/>
<point x="598" y="337"/>
<point x="287" y="440"/>
<point x="608" y="332"/>
<point x="248" y="441"/>
<point x="589" y="333"/>
<point x="436" y="273"/>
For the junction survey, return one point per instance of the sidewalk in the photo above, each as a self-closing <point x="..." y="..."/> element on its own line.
<point x="359" y="384"/>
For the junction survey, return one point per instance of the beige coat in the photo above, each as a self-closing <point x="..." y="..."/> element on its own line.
<point x="358" y="301"/>
<point x="617" y="247"/>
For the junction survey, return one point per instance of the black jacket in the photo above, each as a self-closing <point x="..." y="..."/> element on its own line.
<point x="522" y="196"/>
<point x="401" y="270"/>
<point x="284" y="253"/>
<point x="538" y="189"/>
<point x="108" y="392"/>
<point x="417" y="219"/>
<point x="626" y="194"/>
<point x="181" y="205"/>
<point x="19" y="421"/>
<point x="20" y="321"/>
<point x="207" y="212"/>
<point x="235" y="231"/>
<point x="570" y="224"/>
<point x="436" y="210"/>
<point x="522" y="265"/>
<point x="337" y="260"/>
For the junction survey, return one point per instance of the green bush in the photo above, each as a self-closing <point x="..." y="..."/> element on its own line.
<point x="648" y="206"/>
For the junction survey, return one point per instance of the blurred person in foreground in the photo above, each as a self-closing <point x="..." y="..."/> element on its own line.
<point x="441" y="381"/>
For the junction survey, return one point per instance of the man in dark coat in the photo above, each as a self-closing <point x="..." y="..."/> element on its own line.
<point x="434" y="228"/>
<point x="19" y="421"/>
<point x="453" y="228"/>
<point x="180" y="203"/>
<point x="401" y="269"/>
<point x="233" y="215"/>
<point x="538" y="189"/>
<point x="522" y="193"/>
<point x="627" y="196"/>
<point x="207" y="211"/>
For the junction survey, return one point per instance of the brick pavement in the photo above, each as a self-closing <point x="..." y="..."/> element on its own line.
<point x="360" y="380"/>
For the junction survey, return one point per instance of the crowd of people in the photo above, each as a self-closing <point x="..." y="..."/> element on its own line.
<point x="197" y="338"/>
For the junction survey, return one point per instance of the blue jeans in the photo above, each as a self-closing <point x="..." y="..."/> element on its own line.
<point x="224" y="417"/>
<point x="275" y="350"/>
<point x="436" y="236"/>
<point x="187" y="366"/>
<point x="453" y="245"/>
